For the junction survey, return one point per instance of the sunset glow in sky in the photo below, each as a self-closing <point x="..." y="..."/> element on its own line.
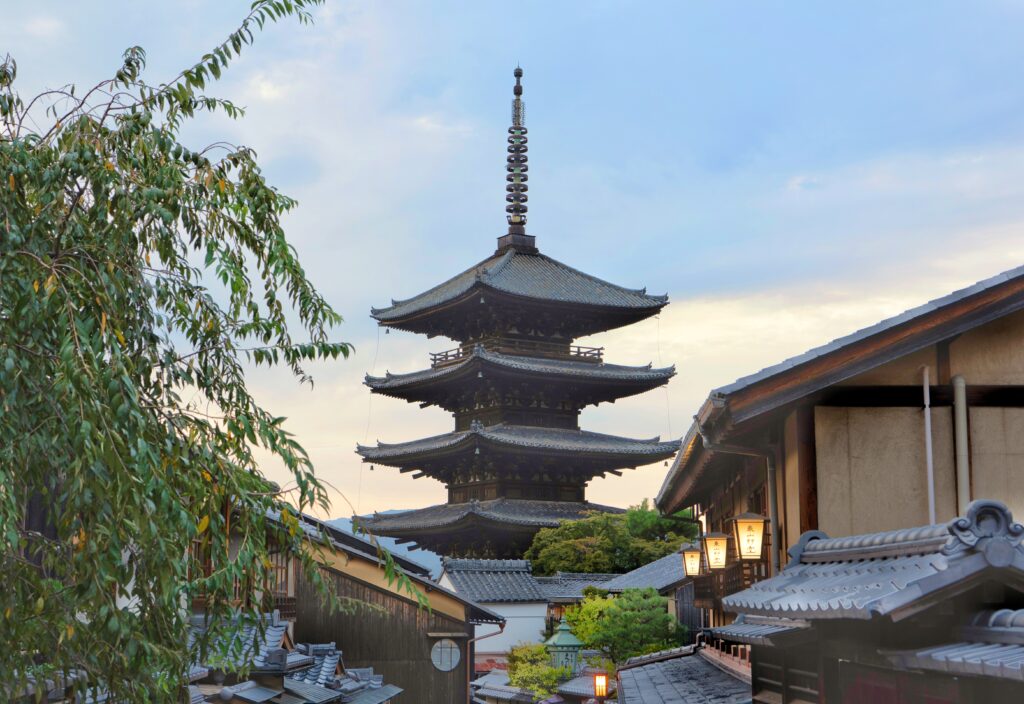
<point x="786" y="172"/>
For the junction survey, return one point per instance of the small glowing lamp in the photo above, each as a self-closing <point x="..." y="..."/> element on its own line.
<point x="600" y="684"/>
<point x="715" y="546"/>
<point x="691" y="559"/>
<point x="749" y="529"/>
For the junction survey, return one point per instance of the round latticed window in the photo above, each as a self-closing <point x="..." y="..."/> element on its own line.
<point x="445" y="655"/>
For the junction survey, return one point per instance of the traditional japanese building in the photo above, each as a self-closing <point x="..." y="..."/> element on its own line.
<point x="517" y="460"/>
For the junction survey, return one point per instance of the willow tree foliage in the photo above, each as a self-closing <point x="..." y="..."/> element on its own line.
<point x="138" y="275"/>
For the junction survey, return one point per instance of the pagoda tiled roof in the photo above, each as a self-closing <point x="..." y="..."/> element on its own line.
<point x="533" y="276"/>
<point x="550" y="440"/>
<point x="588" y="371"/>
<point x="516" y="512"/>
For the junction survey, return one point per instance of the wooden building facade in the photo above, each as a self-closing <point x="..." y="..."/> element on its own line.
<point x="426" y="649"/>
<point x="838" y="439"/>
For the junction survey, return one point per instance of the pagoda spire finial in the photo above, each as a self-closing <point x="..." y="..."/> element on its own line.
<point x="516" y="166"/>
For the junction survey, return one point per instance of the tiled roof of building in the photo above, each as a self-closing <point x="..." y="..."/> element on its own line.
<point x="326" y="658"/>
<point x="569" y="586"/>
<point x="756" y="631"/>
<point x="879" y="574"/>
<point x="509" y="511"/>
<point x="648" y="658"/>
<point x="582" y="685"/>
<point x="660" y="574"/>
<point x="375" y="696"/>
<point x="236" y="649"/>
<point x="493" y="581"/>
<point x="533" y="276"/>
<point x="520" y="437"/>
<point x="355" y="545"/>
<point x="534" y="365"/>
<point x="992" y="645"/>
<point x="867" y="332"/>
<point x="686" y="679"/>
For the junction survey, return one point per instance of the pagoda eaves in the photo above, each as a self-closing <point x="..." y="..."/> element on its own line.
<point x="498" y="529"/>
<point x="562" y="378"/>
<point x="530" y="293"/>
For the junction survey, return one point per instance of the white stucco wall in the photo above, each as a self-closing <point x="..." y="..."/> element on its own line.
<point x="524" y="624"/>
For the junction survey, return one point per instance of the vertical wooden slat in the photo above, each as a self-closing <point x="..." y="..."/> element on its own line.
<point x="807" y="469"/>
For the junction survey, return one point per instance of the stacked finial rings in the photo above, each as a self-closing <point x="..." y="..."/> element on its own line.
<point x="517" y="176"/>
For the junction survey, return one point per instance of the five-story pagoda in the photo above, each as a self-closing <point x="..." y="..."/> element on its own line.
<point x="517" y="460"/>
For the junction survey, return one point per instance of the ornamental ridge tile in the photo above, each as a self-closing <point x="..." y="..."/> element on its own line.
<point x="864" y="576"/>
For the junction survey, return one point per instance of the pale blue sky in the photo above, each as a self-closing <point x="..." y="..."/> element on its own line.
<point x="787" y="172"/>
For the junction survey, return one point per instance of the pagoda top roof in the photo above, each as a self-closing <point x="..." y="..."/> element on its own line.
<point x="528" y="275"/>
<point x="534" y="365"/>
<point x="520" y="437"/>
<point x="517" y="512"/>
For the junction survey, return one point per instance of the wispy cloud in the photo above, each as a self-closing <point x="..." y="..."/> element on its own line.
<point x="44" y="27"/>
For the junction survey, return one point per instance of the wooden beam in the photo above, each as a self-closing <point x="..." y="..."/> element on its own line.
<point x="807" y="468"/>
<point x="912" y="396"/>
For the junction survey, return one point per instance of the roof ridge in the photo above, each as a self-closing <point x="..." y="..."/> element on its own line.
<point x="866" y="332"/>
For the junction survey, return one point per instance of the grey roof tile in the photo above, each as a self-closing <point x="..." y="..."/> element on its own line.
<point x="534" y="276"/>
<point x="493" y="581"/>
<point x="510" y="511"/>
<point x="242" y="647"/>
<point x="534" y="365"/>
<point x="967" y="658"/>
<point x="863" y="576"/>
<point x="687" y="679"/>
<point x="660" y="574"/>
<point x="512" y="437"/>
<point x="569" y="586"/>
<point x="376" y="696"/>
<point x="582" y="685"/>
<point x="756" y="631"/>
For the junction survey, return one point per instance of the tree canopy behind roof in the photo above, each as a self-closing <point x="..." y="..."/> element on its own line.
<point x="126" y="429"/>
<point x="607" y="542"/>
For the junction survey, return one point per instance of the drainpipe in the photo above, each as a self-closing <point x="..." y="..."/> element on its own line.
<point x="469" y="665"/>
<point x="963" y="455"/>
<point x="928" y="444"/>
<point x="769" y="463"/>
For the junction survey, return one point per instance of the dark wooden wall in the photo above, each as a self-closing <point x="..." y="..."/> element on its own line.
<point x="392" y="639"/>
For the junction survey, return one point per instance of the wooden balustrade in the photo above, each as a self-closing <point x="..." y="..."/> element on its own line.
<point x="536" y="348"/>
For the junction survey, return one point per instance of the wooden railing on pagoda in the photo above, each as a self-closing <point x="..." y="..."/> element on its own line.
<point x="506" y="345"/>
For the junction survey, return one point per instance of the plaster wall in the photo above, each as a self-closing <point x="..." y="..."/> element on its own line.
<point x="524" y="624"/>
<point x="992" y="353"/>
<point x="997" y="456"/>
<point x="871" y="468"/>
<point x="900" y="372"/>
